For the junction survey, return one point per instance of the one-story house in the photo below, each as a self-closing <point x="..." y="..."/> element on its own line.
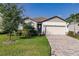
<point x="51" y="26"/>
<point x="73" y="27"/>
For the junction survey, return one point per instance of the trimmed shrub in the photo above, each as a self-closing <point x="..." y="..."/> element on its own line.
<point x="71" y="33"/>
<point x="28" y="31"/>
<point x="33" y="32"/>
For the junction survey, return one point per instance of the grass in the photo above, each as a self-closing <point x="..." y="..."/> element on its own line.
<point x="35" y="46"/>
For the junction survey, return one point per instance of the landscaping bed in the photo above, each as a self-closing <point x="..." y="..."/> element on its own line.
<point x="71" y="33"/>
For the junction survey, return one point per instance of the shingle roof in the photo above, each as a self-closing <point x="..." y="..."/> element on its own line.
<point x="39" y="19"/>
<point x="43" y="19"/>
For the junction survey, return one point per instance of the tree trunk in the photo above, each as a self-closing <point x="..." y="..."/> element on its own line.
<point x="74" y="26"/>
<point x="10" y="36"/>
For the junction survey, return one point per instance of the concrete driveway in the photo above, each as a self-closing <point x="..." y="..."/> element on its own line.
<point x="62" y="45"/>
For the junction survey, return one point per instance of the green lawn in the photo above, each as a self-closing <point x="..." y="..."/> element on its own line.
<point x="36" y="46"/>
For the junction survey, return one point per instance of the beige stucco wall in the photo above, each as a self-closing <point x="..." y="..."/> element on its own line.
<point x="55" y="23"/>
<point x="34" y="24"/>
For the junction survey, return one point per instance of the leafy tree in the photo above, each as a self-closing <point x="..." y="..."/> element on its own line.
<point x="73" y="17"/>
<point x="11" y="16"/>
<point x="28" y="31"/>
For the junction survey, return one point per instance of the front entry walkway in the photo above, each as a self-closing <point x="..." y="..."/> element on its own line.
<point x="62" y="45"/>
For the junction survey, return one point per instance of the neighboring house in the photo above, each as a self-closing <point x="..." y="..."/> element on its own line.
<point x="73" y="26"/>
<point x="29" y="21"/>
<point x="54" y="25"/>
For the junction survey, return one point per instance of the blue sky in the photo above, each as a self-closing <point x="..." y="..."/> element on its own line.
<point x="49" y="9"/>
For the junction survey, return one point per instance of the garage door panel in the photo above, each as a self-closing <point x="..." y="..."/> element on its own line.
<point x="55" y="30"/>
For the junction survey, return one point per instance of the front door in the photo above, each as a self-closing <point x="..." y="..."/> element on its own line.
<point x="39" y="27"/>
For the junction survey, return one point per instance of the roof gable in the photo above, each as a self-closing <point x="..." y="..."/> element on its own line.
<point x="56" y="19"/>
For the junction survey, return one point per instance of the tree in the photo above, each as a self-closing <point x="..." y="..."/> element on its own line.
<point x="26" y="30"/>
<point x="11" y="16"/>
<point x="73" y="18"/>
